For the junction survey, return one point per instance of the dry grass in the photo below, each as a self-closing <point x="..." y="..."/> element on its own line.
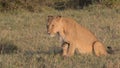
<point x="33" y="48"/>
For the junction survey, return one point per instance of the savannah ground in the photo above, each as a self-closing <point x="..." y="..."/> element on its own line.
<point x="26" y="44"/>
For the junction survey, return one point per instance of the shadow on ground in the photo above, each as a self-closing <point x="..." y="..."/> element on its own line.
<point x="8" y="47"/>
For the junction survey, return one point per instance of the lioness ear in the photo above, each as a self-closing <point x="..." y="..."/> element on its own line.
<point x="58" y="16"/>
<point x="50" y="18"/>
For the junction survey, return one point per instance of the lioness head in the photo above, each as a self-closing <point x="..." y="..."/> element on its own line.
<point x="53" y="25"/>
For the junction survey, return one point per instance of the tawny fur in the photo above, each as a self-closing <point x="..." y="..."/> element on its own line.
<point x="76" y="35"/>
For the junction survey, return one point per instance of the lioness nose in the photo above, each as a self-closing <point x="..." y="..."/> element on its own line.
<point x="48" y="32"/>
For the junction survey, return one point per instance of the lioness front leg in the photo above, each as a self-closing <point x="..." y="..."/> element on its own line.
<point x="65" y="47"/>
<point x="71" y="50"/>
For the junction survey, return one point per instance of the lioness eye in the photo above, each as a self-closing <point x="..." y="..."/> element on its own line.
<point x="53" y="25"/>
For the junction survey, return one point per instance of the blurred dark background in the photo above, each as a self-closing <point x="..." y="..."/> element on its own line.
<point x="36" y="5"/>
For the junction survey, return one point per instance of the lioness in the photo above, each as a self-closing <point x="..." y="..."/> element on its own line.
<point x="74" y="36"/>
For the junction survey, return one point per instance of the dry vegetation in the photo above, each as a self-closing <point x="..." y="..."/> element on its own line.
<point x="36" y="5"/>
<point x="24" y="42"/>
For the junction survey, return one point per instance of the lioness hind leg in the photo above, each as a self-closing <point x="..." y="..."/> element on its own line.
<point x="99" y="49"/>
